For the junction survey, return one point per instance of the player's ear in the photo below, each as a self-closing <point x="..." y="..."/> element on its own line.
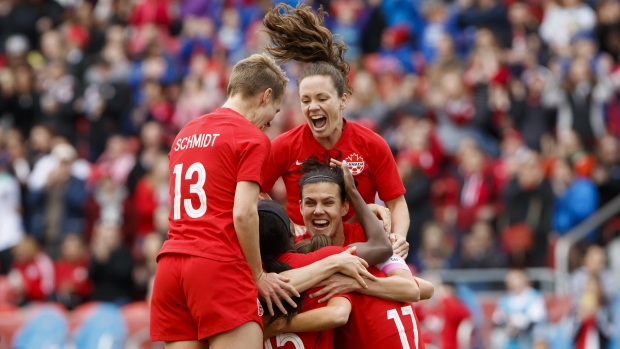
<point x="343" y="101"/>
<point x="345" y="207"/>
<point x="267" y="96"/>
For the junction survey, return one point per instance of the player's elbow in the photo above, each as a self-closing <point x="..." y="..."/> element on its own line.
<point x="243" y="215"/>
<point x="340" y="316"/>
<point x="413" y="295"/>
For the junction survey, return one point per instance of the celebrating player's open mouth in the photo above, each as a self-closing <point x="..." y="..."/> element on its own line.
<point x="319" y="122"/>
<point x="322" y="208"/>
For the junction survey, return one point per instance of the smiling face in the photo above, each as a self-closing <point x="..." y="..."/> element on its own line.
<point x="323" y="209"/>
<point x="322" y="107"/>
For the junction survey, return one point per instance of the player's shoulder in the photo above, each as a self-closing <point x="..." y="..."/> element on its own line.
<point x="361" y="135"/>
<point x="289" y="137"/>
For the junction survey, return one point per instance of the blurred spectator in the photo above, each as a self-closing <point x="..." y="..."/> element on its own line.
<point x="22" y="104"/>
<point x="608" y="26"/>
<point x="192" y="102"/>
<point x="480" y="249"/>
<point x="592" y="325"/>
<point x="144" y="271"/>
<point x="475" y="196"/>
<point x="365" y="104"/>
<point x="151" y="192"/>
<point x="105" y="103"/>
<point x="435" y="250"/>
<point x="73" y="286"/>
<point x="151" y="145"/>
<point x="418" y="187"/>
<point x="580" y="100"/>
<point x="57" y="208"/>
<point x="529" y="203"/>
<point x="373" y="27"/>
<point x="111" y="265"/>
<point x="576" y="198"/>
<point x="443" y="315"/>
<point x="519" y="315"/>
<point x="59" y="92"/>
<point x="11" y="229"/>
<point x="594" y="264"/>
<point x="529" y="115"/>
<point x="606" y="175"/>
<point x="489" y="14"/>
<point x="32" y="272"/>
<point x="116" y="161"/>
<point x="563" y="19"/>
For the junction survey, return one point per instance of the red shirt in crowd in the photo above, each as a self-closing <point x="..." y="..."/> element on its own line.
<point x="73" y="277"/>
<point x="37" y="276"/>
<point x="367" y="154"/>
<point x="208" y="157"/>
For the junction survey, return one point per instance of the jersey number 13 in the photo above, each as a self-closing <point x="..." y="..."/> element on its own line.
<point x="194" y="188"/>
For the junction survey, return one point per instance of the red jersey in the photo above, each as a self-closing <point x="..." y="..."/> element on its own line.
<point x="37" y="276"/>
<point x="317" y="339"/>
<point x="208" y="157"/>
<point x="352" y="233"/>
<point x="368" y="156"/>
<point x="378" y="323"/>
<point x="73" y="277"/>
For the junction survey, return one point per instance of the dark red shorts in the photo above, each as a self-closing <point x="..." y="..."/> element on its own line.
<point x="195" y="298"/>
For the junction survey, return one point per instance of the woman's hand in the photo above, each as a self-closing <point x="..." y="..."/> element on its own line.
<point x="352" y="266"/>
<point x="349" y="182"/>
<point x="384" y="214"/>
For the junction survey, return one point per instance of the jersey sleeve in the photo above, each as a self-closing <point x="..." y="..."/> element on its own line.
<point x="278" y="159"/>
<point x="253" y="151"/>
<point x="385" y="176"/>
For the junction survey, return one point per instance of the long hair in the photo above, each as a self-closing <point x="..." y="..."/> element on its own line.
<point x="274" y="235"/>
<point x="316" y="243"/>
<point x="299" y="34"/>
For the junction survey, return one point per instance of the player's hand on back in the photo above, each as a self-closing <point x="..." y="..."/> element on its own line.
<point x="335" y="285"/>
<point x="272" y="288"/>
<point x="352" y="266"/>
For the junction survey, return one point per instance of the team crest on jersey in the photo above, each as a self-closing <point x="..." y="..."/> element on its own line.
<point x="261" y="311"/>
<point x="355" y="163"/>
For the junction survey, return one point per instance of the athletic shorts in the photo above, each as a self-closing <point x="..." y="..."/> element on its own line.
<point x="195" y="298"/>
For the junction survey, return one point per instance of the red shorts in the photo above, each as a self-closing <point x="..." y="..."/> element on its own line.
<point x="195" y="298"/>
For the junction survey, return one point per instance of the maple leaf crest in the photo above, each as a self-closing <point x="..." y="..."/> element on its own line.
<point x="355" y="163"/>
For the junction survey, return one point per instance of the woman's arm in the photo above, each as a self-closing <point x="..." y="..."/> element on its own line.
<point x="306" y="277"/>
<point x="378" y="247"/>
<point x="334" y="314"/>
<point x="400" y="216"/>
<point x="399" y="286"/>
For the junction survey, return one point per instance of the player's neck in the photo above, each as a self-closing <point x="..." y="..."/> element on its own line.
<point x="338" y="239"/>
<point x="241" y="106"/>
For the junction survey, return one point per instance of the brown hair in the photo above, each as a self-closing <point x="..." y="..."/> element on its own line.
<point x="298" y="34"/>
<point x="254" y="75"/>
<point x="316" y="243"/>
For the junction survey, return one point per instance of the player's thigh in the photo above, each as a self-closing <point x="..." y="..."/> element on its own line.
<point x="171" y="319"/>
<point x="186" y="345"/>
<point x="221" y="295"/>
<point x="246" y="336"/>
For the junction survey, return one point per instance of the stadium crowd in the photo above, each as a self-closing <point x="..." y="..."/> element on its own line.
<point x="503" y="117"/>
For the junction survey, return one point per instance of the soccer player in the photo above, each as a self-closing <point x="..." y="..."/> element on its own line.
<point x="209" y="273"/>
<point x="298" y="34"/>
<point x="317" y="315"/>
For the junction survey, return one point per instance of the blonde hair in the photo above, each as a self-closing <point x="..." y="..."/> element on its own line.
<point x="254" y="75"/>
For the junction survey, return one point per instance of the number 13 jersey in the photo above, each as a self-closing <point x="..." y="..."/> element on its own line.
<point x="208" y="157"/>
